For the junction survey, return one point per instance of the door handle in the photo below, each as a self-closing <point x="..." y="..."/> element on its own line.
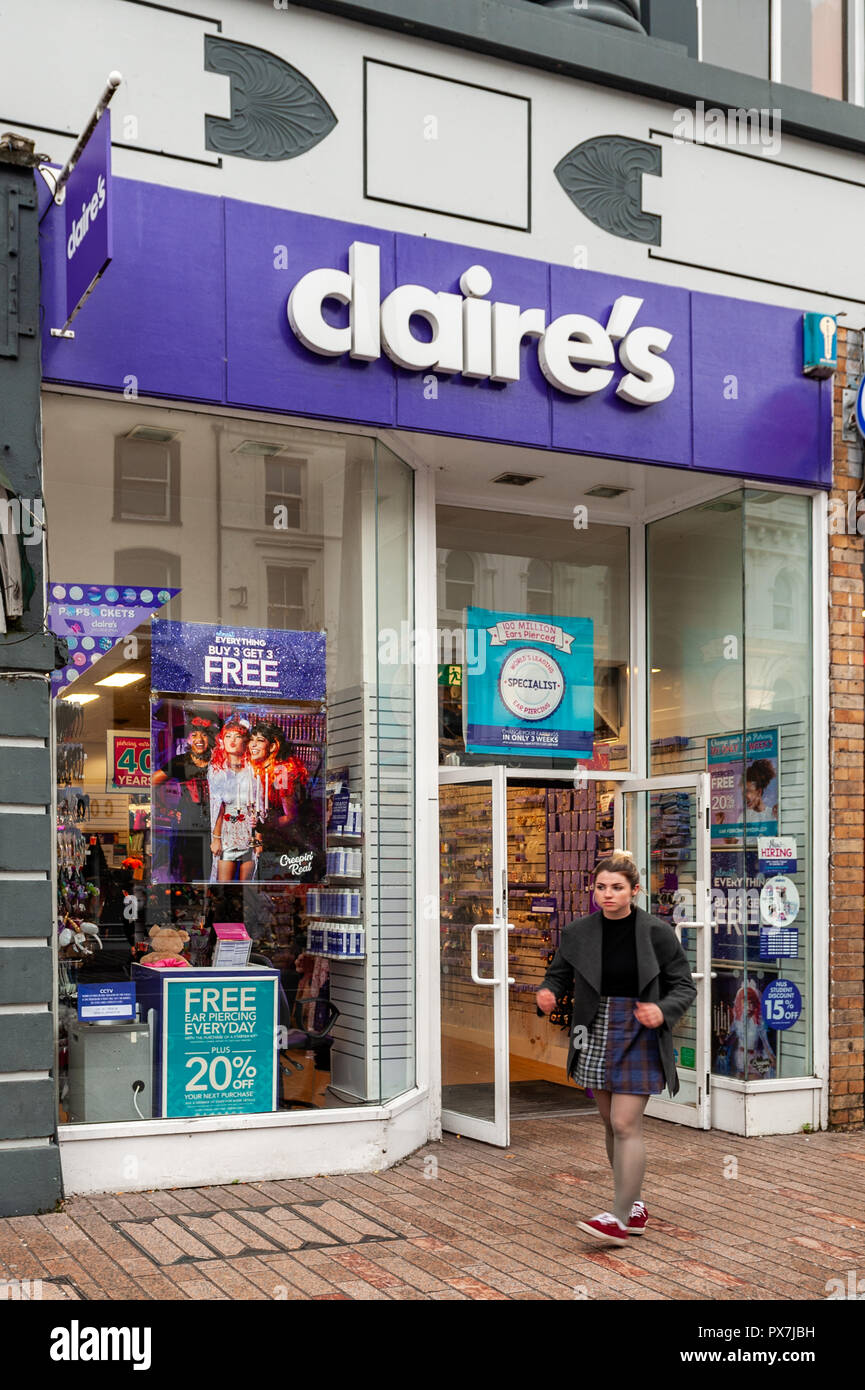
<point x="474" y="953"/>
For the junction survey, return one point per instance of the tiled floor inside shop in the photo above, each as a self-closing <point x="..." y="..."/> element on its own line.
<point x="730" y="1219"/>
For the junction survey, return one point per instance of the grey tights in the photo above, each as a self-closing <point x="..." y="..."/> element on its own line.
<point x="623" y="1132"/>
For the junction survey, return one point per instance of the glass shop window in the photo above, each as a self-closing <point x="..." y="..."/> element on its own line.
<point x="729" y="585"/>
<point x="221" y="892"/>
<point x="506" y="566"/>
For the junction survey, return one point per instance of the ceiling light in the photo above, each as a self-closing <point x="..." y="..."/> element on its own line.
<point x="83" y="699"/>
<point x="516" y="479"/>
<point x="154" y="433"/>
<point x="121" y="678"/>
<point x="656" y="670"/>
<point x="604" y="490"/>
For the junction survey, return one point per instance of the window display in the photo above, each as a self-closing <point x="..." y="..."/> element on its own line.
<point x="731" y="695"/>
<point x="219" y="793"/>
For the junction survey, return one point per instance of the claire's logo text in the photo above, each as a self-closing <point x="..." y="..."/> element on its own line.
<point x="89" y="213"/>
<point x="472" y="337"/>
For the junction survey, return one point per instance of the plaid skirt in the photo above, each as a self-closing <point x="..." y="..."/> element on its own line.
<point x="620" y="1055"/>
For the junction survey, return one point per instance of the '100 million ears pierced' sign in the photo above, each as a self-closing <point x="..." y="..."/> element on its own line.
<point x="531" y="685"/>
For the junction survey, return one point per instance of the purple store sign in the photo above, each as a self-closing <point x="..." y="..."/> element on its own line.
<point x="254" y="307"/>
<point x="88" y="222"/>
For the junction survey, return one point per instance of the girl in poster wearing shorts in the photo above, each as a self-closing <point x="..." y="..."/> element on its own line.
<point x="232" y="803"/>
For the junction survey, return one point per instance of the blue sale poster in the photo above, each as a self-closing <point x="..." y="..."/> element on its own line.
<point x="208" y="659"/>
<point x="530" y="688"/>
<point x="219" y="1045"/>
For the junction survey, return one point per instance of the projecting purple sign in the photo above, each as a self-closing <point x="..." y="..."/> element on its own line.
<point x="205" y="659"/>
<point x="88" y="247"/>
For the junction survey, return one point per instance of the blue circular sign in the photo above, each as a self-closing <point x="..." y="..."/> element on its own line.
<point x="782" y="1004"/>
<point x="860" y="408"/>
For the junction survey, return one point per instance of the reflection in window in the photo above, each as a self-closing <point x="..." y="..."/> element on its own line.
<point x="150" y="569"/>
<point x="146" y="480"/>
<point x="812" y="46"/>
<point x="735" y="34"/>
<point x="459" y="581"/>
<point x="283" y="489"/>
<point x="286" y="598"/>
<point x="782" y="602"/>
<point x="539" y="588"/>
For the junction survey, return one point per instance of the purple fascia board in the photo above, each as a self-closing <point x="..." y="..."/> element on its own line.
<point x="267" y="251"/>
<point x="751" y="402"/>
<point x="604" y="424"/>
<point x="517" y="413"/>
<point x="194" y="308"/>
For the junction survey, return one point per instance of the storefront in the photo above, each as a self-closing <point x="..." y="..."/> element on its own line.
<point x="328" y="506"/>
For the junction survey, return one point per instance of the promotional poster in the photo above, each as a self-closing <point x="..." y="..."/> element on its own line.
<point x="258" y="663"/>
<point x="737" y="879"/>
<point x="218" y="1045"/>
<point x="531" y="690"/>
<point x="744" y="786"/>
<point x="744" y="1046"/>
<point x="94" y="618"/>
<point x="127" y="761"/>
<point x="238" y="792"/>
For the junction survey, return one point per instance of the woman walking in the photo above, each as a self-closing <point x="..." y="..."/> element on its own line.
<point x="631" y="983"/>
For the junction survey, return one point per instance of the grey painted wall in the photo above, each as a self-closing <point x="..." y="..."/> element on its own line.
<point x="30" y="1179"/>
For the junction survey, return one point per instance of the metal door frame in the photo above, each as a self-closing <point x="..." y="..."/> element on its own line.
<point x="697" y="1116"/>
<point x="498" y="1130"/>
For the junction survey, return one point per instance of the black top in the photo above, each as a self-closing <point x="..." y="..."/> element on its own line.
<point x="619" y="956"/>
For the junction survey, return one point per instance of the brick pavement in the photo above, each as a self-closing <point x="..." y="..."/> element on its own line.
<point x="730" y="1219"/>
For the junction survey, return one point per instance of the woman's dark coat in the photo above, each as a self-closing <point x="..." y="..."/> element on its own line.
<point x="663" y="977"/>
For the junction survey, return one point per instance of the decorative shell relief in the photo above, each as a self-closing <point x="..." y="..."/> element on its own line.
<point x="602" y="177"/>
<point x="276" y="112"/>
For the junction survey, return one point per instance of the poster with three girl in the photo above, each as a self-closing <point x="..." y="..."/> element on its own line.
<point x="238" y="729"/>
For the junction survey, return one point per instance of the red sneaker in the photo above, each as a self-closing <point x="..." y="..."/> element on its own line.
<point x="605" y="1227"/>
<point x="639" y="1217"/>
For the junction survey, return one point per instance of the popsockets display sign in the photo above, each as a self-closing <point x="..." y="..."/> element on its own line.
<point x="531" y="687"/>
<point x="94" y="618"/>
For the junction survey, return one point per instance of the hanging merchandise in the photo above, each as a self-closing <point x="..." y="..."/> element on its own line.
<point x="69" y="720"/>
<point x="70" y="763"/>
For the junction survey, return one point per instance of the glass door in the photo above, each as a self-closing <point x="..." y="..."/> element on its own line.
<point x="474" y="953"/>
<point x="664" y="823"/>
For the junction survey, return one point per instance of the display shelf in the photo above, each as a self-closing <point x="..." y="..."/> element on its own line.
<point x="323" y="955"/>
<point x="329" y="917"/>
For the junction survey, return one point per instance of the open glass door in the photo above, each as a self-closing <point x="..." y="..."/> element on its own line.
<point x="664" y="823"/>
<point x="474" y="953"/>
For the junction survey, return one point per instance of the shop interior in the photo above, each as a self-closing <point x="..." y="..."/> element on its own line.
<point x="520" y="531"/>
<point x="517" y="530"/>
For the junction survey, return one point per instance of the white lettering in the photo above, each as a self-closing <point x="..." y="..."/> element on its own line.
<point x="471" y="336"/>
